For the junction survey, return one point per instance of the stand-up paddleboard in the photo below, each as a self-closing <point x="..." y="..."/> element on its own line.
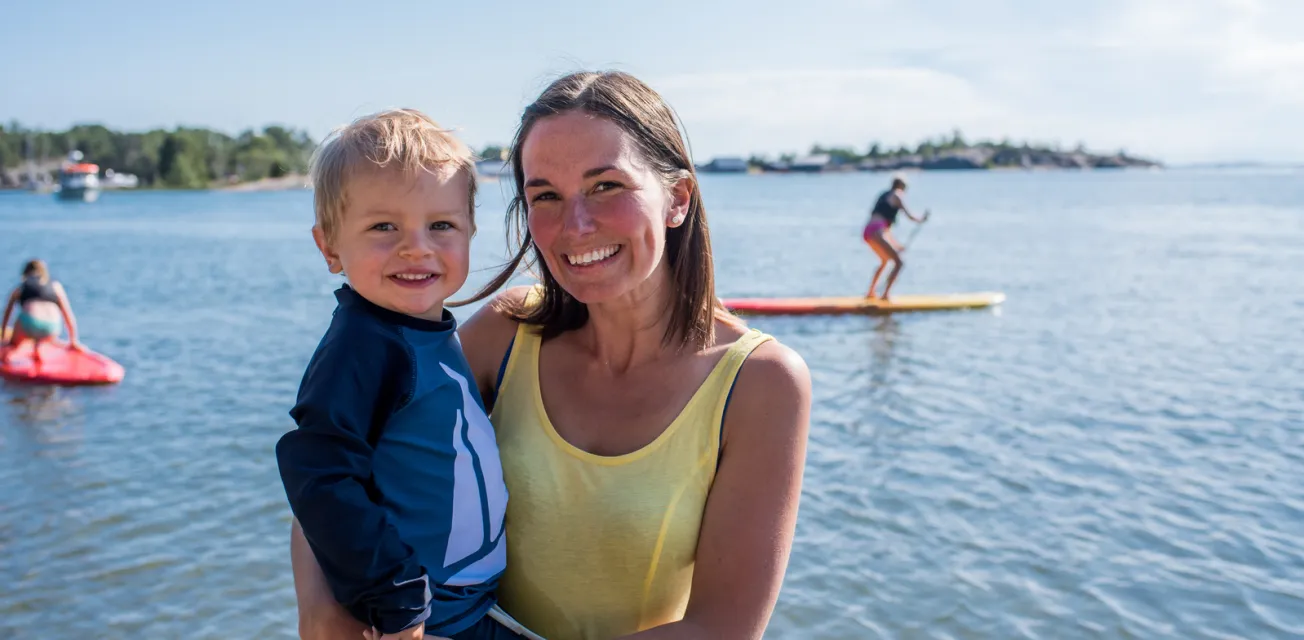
<point x="59" y="365"/>
<point x="834" y="306"/>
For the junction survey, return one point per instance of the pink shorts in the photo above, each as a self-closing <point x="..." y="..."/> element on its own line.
<point x="876" y="225"/>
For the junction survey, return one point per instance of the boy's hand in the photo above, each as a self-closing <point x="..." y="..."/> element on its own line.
<point x="417" y="632"/>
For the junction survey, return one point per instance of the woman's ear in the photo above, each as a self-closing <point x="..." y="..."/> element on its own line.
<point x="681" y="198"/>
<point x="332" y="259"/>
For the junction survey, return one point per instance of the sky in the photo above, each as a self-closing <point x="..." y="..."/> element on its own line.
<point x="1182" y="81"/>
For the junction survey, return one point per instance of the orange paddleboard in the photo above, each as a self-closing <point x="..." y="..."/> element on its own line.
<point x="860" y="305"/>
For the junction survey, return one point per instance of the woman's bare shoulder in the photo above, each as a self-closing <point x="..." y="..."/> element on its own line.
<point x="775" y="367"/>
<point x="486" y="335"/>
<point x="498" y="315"/>
<point x="773" y="382"/>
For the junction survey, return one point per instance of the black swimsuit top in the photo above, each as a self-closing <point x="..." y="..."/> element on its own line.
<point x="33" y="289"/>
<point x="884" y="208"/>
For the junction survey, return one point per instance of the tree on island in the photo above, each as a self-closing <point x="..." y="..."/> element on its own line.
<point x="181" y="158"/>
<point x="493" y="152"/>
<point x="953" y="150"/>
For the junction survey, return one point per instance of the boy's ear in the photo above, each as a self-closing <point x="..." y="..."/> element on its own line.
<point x="332" y="259"/>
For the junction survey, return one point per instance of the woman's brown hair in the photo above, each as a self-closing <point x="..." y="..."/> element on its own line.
<point x="36" y="269"/>
<point x="644" y="115"/>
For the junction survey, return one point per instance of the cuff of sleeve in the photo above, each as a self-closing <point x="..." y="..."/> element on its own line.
<point x="394" y="621"/>
<point x="406" y="605"/>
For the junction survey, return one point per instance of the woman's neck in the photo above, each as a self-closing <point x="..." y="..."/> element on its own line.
<point x="629" y="331"/>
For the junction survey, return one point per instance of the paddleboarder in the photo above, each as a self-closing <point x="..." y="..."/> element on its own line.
<point x="878" y="234"/>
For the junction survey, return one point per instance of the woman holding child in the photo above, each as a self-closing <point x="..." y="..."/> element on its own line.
<point x="652" y="446"/>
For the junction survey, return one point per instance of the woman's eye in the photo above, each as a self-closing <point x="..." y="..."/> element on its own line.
<point x="441" y="226"/>
<point x="382" y="226"/>
<point x="546" y="195"/>
<point x="606" y="186"/>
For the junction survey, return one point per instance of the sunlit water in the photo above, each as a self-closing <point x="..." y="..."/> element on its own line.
<point x="1116" y="452"/>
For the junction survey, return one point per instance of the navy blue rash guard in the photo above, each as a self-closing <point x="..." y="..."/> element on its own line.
<point x="393" y="471"/>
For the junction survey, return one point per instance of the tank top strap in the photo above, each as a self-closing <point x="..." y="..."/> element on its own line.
<point x="520" y="360"/>
<point x="739" y="351"/>
<point x="719" y="385"/>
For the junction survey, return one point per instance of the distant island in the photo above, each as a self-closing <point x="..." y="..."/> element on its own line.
<point x="945" y="152"/>
<point x="183" y="158"/>
<point x="277" y="157"/>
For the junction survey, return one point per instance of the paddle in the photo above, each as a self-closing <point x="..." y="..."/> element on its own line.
<point x="911" y="239"/>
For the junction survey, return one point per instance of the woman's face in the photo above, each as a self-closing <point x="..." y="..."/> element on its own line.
<point x="597" y="211"/>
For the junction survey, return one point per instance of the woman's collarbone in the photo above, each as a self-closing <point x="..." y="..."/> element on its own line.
<point x="616" y="414"/>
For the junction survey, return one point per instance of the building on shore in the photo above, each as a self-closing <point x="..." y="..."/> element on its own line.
<point x="811" y="164"/>
<point x="724" y="164"/>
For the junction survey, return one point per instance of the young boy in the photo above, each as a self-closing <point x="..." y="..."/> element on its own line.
<point x="393" y="471"/>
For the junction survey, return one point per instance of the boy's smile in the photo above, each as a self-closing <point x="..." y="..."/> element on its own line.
<point x="404" y="240"/>
<point x="414" y="278"/>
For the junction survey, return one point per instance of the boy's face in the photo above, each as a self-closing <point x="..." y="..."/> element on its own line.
<point x="404" y="240"/>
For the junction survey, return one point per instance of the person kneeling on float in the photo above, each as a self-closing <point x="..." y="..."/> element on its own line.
<point x="42" y="310"/>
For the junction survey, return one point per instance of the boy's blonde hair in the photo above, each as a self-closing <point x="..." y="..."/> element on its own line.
<point x="402" y="139"/>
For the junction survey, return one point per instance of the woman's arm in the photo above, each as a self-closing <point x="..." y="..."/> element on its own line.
<point x="68" y="318"/>
<point x="9" y="308"/>
<point x="320" y="616"/>
<point x="751" y="512"/>
<point x="901" y="203"/>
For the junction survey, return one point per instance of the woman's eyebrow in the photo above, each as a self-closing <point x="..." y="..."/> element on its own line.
<point x="543" y="182"/>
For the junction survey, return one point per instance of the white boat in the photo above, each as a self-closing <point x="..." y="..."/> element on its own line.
<point x="78" y="180"/>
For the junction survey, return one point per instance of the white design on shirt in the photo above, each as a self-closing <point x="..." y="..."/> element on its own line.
<point x="466" y="534"/>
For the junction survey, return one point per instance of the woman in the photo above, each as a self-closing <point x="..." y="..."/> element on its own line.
<point x="878" y="234"/>
<point x="42" y="308"/>
<point x="653" y="447"/>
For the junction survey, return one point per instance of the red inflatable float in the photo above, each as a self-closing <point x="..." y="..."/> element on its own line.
<point x="59" y="365"/>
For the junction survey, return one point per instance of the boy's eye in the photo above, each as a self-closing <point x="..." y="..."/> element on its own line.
<point x="382" y="226"/>
<point x="441" y="226"/>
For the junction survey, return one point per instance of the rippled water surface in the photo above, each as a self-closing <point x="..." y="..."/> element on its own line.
<point x="1116" y="452"/>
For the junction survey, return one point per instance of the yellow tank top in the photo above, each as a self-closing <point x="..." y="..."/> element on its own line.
<point x="601" y="546"/>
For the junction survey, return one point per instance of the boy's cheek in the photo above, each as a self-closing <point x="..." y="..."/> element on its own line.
<point x="457" y="247"/>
